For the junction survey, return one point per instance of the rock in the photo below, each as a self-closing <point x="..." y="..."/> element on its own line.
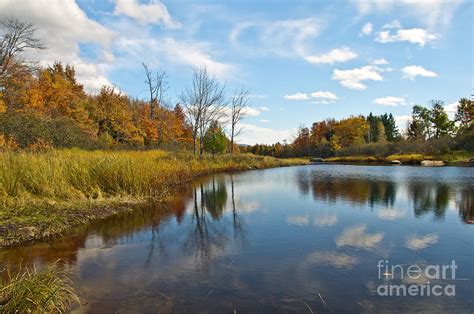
<point x="28" y="232"/>
<point x="395" y="162"/>
<point x="432" y="163"/>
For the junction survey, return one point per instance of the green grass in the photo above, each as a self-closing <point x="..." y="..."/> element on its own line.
<point x="46" y="193"/>
<point x="30" y="290"/>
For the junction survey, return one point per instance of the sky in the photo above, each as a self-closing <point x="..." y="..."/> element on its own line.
<point x="302" y="61"/>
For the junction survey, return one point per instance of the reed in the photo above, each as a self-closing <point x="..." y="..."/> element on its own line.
<point x="33" y="290"/>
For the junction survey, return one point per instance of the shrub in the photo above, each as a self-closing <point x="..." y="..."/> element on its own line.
<point x="27" y="128"/>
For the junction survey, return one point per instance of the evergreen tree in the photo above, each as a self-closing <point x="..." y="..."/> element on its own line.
<point x="215" y="140"/>
<point x="391" y="131"/>
<point x="440" y="120"/>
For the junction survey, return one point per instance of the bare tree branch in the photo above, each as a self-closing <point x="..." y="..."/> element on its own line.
<point x="238" y="106"/>
<point x="157" y="88"/>
<point x="203" y="102"/>
<point x="17" y="37"/>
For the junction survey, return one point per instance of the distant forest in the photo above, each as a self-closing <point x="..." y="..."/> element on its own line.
<point x="429" y="131"/>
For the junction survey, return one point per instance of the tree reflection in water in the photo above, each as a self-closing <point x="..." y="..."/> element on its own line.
<point x="427" y="196"/>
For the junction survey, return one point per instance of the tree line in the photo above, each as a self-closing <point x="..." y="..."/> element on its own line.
<point x="430" y="130"/>
<point x="47" y="105"/>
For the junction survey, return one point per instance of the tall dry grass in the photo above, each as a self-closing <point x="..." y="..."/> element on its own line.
<point x="33" y="290"/>
<point x="77" y="174"/>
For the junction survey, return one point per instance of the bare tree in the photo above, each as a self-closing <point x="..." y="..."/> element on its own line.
<point x="17" y="36"/>
<point x="203" y="102"/>
<point x="238" y="110"/>
<point x="156" y="87"/>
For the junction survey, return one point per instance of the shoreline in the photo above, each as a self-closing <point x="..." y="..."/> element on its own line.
<point x="51" y="218"/>
<point x="413" y="159"/>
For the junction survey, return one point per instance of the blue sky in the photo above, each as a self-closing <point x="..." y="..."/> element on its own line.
<point x="302" y="61"/>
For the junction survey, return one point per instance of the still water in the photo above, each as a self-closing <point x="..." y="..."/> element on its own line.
<point x="299" y="239"/>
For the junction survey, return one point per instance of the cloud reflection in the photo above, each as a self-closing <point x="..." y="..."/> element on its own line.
<point x="332" y="258"/>
<point x="325" y="221"/>
<point x="416" y="243"/>
<point x="357" y="237"/>
<point x="391" y="214"/>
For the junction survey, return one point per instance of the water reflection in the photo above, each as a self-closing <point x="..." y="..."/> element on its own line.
<point x="428" y="197"/>
<point x="274" y="240"/>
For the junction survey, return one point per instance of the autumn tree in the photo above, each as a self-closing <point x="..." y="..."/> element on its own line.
<point x="238" y="107"/>
<point x="57" y="93"/>
<point x="302" y="142"/>
<point x="113" y="116"/>
<point x="184" y="134"/>
<point x="351" y="131"/>
<point x="380" y="132"/>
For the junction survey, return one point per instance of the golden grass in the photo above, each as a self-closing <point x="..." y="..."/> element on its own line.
<point x="30" y="290"/>
<point x="45" y="193"/>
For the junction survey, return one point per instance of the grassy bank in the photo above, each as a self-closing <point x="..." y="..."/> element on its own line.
<point x="459" y="157"/>
<point x="42" y="194"/>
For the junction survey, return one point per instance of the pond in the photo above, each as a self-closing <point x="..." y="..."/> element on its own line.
<point x="318" y="238"/>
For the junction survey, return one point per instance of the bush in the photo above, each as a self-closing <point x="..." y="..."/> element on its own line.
<point x="27" y="128"/>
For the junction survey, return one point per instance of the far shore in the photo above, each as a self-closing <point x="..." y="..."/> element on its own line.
<point x="452" y="159"/>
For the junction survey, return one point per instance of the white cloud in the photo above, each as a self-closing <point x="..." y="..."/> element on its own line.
<point x="416" y="243"/>
<point x="264" y="121"/>
<point x="335" y="55"/>
<point x="357" y="237"/>
<point x="390" y="101"/>
<point x="322" y="95"/>
<point x="152" y="13"/>
<point x="451" y="109"/>
<point x="62" y="29"/>
<point x="263" y="108"/>
<point x="188" y="53"/>
<point x="412" y="71"/>
<point x="252" y="134"/>
<point x="353" y="78"/>
<point x="249" y="111"/>
<point x="367" y="29"/>
<point x="297" y="96"/>
<point x="381" y="61"/>
<point x="402" y="121"/>
<point x="432" y="13"/>
<point x="285" y="38"/>
<point x="414" y="35"/>
<point x="393" y="24"/>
